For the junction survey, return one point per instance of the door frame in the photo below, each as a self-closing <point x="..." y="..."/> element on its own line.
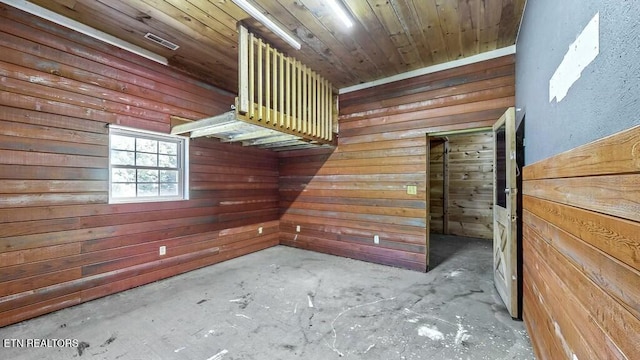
<point x="519" y="151"/>
<point x="429" y="136"/>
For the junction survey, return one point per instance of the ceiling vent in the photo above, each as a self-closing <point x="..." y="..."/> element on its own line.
<point x="160" y="41"/>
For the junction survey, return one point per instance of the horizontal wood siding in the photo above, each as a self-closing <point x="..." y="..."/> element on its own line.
<point x="60" y="242"/>
<point x="581" y="243"/>
<point x="342" y="198"/>
<point x="470" y="200"/>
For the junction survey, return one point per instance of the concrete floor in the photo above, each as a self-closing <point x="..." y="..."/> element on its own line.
<point x="285" y="303"/>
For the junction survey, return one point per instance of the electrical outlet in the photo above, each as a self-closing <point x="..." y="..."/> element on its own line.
<point x="162" y="250"/>
<point x="260" y="230"/>
<point x="297" y="228"/>
<point x="376" y="239"/>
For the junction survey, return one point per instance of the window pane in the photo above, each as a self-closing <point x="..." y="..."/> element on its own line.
<point x="123" y="175"/>
<point x="167" y="148"/>
<point x="122" y="157"/>
<point x="147" y="189"/>
<point x="146" y="145"/>
<point x="148" y="176"/>
<point x="168" y="189"/>
<point x="120" y="190"/>
<point x="168" y="161"/>
<point x="120" y="142"/>
<point x="168" y="176"/>
<point x="145" y="166"/>
<point x="143" y="159"/>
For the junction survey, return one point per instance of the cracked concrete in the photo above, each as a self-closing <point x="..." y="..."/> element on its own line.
<point x="285" y="303"/>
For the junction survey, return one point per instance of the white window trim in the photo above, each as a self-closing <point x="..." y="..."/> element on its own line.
<point x="184" y="173"/>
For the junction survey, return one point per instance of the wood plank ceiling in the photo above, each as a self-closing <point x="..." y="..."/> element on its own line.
<point x="389" y="36"/>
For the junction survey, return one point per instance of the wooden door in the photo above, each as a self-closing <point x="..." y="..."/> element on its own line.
<point x="505" y="260"/>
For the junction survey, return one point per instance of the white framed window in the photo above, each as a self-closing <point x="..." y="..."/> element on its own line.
<point x="147" y="166"/>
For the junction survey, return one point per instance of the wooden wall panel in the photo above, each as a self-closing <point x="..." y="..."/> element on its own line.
<point x="436" y="187"/>
<point x="60" y="242"/>
<point x="342" y="198"/>
<point x="582" y="249"/>
<point x="462" y="185"/>
<point x="470" y="199"/>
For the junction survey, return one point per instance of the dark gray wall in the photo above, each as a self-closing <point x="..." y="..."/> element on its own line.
<point x="606" y="98"/>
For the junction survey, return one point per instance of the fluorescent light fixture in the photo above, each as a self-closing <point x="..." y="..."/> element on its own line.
<point x="82" y="28"/>
<point x="342" y="14"/>
<point x="267" y="22"/>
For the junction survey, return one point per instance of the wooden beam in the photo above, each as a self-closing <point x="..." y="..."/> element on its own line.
<point x="274" y="139"/>
<point x="252" y="135"/>
<point x="218" y="129"/>
<point x="287" y="143"/>
<point x="201" y="124"/>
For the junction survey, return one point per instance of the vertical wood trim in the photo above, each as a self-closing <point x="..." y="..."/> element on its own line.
<point x="445" y="188"/>
<point x="281" y="85"/>
<point x="252" y="82"/>
<point x="321" y="108"/>
<point x="260" y="77"/>
<point x="300" y="95"/>
<point x="274" y="104"/>
<point x="294" y="93"/>
<point x="327" y="110"/>
<point x="314" y="107"/>
<point x="243" y="69"/>
<point x="267" y="83"/>
<point x="305" y="100"/>
<point x="288" y="92"/>
<point x="325" y="120"/>
<point x="427" y="201"/>
<point x="330" y="100"/>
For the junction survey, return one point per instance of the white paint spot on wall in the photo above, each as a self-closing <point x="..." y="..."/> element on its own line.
<point x="432" y="333"/>
<point x="36" y="79"/>
<point x="579" y="55"/>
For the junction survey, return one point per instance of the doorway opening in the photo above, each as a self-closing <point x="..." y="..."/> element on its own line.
<point x="460" y="192"/>
<point x="473" y="192"/>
